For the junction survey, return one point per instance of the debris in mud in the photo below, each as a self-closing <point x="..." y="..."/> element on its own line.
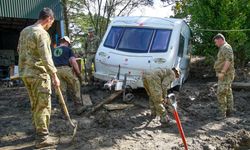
<point x="239" y="140"/>
<point x="125" y="128"/>
<point x="117" y="106"/>
<point x="86" y="100"/>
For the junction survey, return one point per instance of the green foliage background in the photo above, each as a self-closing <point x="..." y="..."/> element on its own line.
<point x="229" y="17"/>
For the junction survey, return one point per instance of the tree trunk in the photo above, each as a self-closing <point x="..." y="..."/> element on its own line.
<point x="105" y="101"/>
<point x="237" y="85"/>
<point x="65" y="16"/>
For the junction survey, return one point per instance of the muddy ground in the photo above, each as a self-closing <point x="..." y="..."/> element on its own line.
<point x="125" y="129"/>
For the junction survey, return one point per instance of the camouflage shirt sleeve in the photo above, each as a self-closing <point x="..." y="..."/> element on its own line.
<point x="85" y="44"/>
<point x="227" y="53"/>
<point x="168" y="78"/>
<point x="21" y="59"/>
<point x="98" y="40"/>
<point x="43" y="43"/>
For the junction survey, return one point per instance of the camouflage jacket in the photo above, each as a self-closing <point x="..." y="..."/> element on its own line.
<point x="91" y="45"/>
<point x="225" y="54"/>
<point x="34" y="51"/>
<point x="161" y="76"/>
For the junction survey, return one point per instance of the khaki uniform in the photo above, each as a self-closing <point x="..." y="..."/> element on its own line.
<point x="156" y="84"/>
<point x="35" y="65"/>
<point x="91" y="47"/>
<point x="224" y="90"/>
<point x="69" y="81"/>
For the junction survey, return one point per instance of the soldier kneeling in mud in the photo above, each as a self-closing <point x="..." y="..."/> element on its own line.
<point x="157" y="83"/>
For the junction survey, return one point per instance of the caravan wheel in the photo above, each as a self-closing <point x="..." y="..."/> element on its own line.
<point x="177" y="88"/>
<point x="129" y="97"/>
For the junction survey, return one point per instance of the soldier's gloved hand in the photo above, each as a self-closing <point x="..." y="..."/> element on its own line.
<point x="166" y="101"/>
<point x="168" y="105"/>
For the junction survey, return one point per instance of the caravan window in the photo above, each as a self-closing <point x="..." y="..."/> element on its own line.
<point x="135" y="40"/>
<point x="181" y="46"/>
<point x="161" y="40"/>
<point x="113" y="37"/>
<point x="138" y="40"/>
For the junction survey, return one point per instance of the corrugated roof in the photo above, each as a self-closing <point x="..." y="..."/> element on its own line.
<point x="28" y="8"/>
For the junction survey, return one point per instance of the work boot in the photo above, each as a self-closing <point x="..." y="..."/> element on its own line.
<point x="220" y="116"/>
<point x="151" y="115"/>
<point x="166" y="121"/>
<point x="90" y="83"/>
<point x="80" y="109"/>
<point x="46" y="142"/>
<point x="229" y="112"/>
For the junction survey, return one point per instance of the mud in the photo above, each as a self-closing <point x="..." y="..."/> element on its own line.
<point x="125" y="129"/>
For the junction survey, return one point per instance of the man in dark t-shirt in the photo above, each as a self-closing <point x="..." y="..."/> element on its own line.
<point x="68" y="72"/>
<point x="61" y="56"/>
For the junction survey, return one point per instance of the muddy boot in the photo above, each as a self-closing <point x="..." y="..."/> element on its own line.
<point x="80" y="109"/>
<point x="90" y="77"/>
<point x="229" y="112"/>
<point x="220" y="116"/>
<point x="45" y="142"/>
<point x="151" y="115"/>
<point x="90" y="83"/>
<point x="166" y="121"/>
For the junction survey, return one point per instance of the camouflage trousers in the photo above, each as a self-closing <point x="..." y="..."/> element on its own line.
<point x="39" y="90"/>
<point x="225" y="95"/>
<point x="89" y="61"/>
<point x="69" y="82"/>
<point x="156" y="85"/>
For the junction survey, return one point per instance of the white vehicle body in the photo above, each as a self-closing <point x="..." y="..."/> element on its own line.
<point x="139" y="44"/>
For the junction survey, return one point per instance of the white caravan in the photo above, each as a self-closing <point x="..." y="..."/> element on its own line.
<point x="139" y="44"/>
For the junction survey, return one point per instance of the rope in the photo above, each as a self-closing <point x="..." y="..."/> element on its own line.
<point x="214" y="30"/>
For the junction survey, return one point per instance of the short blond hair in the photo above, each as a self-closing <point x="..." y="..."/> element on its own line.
<point x="219" y="36"/>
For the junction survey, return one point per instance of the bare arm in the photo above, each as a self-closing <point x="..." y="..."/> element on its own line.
<point x="55" y="80"/>
<point x="74" y="64"/>
<point x="224" y="70"/>
<point x="226" y="66"/>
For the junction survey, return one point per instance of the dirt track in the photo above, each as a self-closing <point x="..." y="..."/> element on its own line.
<point x="125" y="129"/>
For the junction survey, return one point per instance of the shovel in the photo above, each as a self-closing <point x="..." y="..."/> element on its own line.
<point x="172" y="99"/>
<point x="66" y="112"/>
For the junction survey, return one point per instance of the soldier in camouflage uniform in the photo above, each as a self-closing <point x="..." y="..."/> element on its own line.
<point x="224" y="68"/>
<point x="156" y="84"/>
<point x="91" y="46"/>
<point x="36" y="69"/>
<point x="68" y="72"/>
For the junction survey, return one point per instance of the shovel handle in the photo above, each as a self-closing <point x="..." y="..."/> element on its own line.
<point x="64" y="107"/>
<point x="173" y="102"/>
<point x="178" y="122"/>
